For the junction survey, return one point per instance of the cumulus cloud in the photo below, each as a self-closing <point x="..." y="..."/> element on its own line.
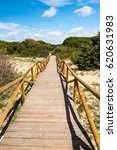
<point x="85" y="11"/>
<point x="12" y="35"/>
<point x="83" y="31"/>
<point x="56" y="3"/>
<point x="35" y="35"/>
<point x="76" y="30"/>
<point x="49" y="36"/>
<point x="55" y="33"/>
<point x="8" y="26"/>
<point x="50" y="12"/>
<point x="38" y="35"/>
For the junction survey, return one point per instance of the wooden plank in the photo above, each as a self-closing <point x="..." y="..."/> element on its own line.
<point x="39" y="142"/>
<point x="41" y="135"/>
<point x="36" y="148"/>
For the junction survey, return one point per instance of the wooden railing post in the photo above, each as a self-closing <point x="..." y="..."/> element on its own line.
<point x="90" y="119"/>
<point x="44" y="65"/>
<point x="47" y="61"/>
<point x="67" y="73"/>
<point x="32" y="73"/>
<point x="37" y="68"/>
<point x="64" y="69"/>
<point x="35" y="72"/>
<point x="75" y="91"/>
<point x="61" y="66"/>
<point x="23" y="91"/>
<point x="39" y="65"/>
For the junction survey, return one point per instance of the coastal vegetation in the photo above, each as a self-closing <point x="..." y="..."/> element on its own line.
<point x="83" y="51"/>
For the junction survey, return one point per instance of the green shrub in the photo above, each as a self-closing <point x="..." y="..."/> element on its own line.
<point x="28" y="48"/>
<point x="84" y="51"/>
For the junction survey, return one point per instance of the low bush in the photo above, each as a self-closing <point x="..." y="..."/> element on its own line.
<point x="7" y="70"/>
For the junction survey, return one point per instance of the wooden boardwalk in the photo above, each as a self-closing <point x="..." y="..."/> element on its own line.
<point x="48" y="119"/>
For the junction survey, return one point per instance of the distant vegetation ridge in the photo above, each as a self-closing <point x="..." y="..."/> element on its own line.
<point x="84" y="51"/>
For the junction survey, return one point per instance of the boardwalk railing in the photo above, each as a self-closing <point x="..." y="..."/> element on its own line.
<point x="21" y="85"/>
<point x="65" y="69"/>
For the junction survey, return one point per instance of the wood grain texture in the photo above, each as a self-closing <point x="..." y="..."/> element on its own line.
<point x="45" y="122"/>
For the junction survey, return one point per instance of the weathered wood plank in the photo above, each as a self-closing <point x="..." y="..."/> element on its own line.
<point x="66" y="143"/>
<point x="35" y="148"/>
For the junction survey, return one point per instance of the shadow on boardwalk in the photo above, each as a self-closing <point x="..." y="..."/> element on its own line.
<point x="77" y="142"/>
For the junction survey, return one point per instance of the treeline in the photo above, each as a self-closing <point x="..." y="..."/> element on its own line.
<point x="84" y="51"/>
<point x="27" y="48"/>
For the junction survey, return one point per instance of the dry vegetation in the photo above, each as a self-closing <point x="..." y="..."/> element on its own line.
<point x="7" y="74"/>
<point x="10" y="69"/>
<point x="7" y="70"/>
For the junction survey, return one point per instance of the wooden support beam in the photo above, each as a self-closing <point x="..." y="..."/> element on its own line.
<point x="32" y="73"/>
<point x="70" y="81"/>
<point x="67" y="73"/>
<point x="75" y="91"/>
<point x="23" y="91"/>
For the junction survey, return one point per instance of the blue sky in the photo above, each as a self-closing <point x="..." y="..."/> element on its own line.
<point x="48" y="20"/>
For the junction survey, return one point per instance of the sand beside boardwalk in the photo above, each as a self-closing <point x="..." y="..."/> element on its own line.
<point x="22" y="64"/>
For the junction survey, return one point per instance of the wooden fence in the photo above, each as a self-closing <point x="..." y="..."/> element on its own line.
<point x="65" y="69"/>
<point x="21" y="85"/>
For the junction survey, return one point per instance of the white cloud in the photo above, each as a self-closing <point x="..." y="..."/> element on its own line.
<point x="83" y="31"/>
<point x="15" y="32"/>
<point x="56" y="3"/>
<point x="8" y="26"/>
<point x="52" y="36"/>
<point x="85" y="11"/>
<point x="85" y="2"/>
<point x="12" y="35"/>
<point x="36" y="35"/>
<point x="76" y="30"/>
<point x="50" y="12"/>
<point x="55" y="33"/>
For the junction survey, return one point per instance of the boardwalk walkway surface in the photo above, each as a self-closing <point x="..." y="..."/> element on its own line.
<point x="47" y="120"/>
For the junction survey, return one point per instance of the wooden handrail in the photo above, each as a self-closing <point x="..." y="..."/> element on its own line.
<point x="4" y="88"/>
<point x="65" y="69"/>
<point x="20" y="81"/>
<point x="90" y="119"/>
<point x="87" y="86"/>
